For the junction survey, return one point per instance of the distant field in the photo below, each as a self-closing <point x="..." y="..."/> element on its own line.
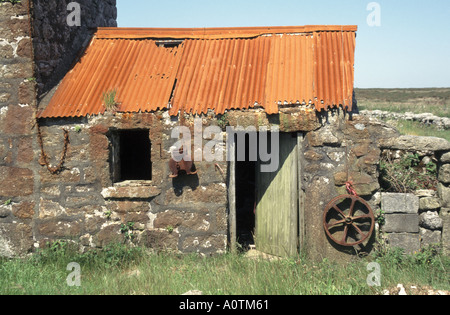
<point x="435" y="101"/>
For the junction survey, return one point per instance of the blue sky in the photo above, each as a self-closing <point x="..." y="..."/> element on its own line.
<point x="409" y="49"/>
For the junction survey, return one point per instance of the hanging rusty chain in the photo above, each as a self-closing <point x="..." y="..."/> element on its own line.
<point x="44" y="159"/>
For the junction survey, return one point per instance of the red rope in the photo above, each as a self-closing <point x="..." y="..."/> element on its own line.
<point x="350" y="189"/>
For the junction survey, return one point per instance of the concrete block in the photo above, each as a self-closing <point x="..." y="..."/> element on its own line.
<point x="401" y="223"/>
<point x="409" y="242"/>
<point x="399" y="203"/>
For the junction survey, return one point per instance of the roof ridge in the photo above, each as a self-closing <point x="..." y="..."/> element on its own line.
<point x="215" y="32"/>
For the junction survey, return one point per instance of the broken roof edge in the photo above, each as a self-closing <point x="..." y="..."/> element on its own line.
<point x="214" y="33"/>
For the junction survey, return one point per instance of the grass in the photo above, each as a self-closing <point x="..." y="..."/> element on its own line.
<point x="415" y="128"/>
<point x="120" y="270"/>
<point x="435" y="101"/>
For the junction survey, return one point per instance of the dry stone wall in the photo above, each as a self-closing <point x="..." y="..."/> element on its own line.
<point x="420" y="219"/>
<point x="424" y="118"/>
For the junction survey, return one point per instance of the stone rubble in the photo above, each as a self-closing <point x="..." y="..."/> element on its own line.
<point x="424" y="118"/>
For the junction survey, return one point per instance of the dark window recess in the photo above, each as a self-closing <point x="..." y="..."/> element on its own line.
<point x="168" y="43"/>
<point x="134" y="158"/>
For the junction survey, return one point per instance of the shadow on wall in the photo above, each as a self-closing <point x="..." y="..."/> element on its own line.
<point x="183" y="180"/>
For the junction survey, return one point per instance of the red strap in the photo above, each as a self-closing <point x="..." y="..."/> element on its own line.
<point x="350" y="189"/>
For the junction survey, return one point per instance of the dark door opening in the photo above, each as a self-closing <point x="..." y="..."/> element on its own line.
<point x="245" y="196"/>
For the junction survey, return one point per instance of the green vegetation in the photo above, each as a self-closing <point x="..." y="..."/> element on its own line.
<point x="414" y="128"/>
<point x="127" y="230"/>
<point x="407" y="174"/>
<point x="109" y="99"/>
<point x="435" y="101"/>
<point x="10" y="1"/>
<point x="123" y="270"/>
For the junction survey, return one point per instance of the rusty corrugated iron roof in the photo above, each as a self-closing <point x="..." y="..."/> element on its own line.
<point x="217" y="68"/>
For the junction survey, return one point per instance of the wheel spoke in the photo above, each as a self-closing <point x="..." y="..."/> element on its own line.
<point x="359" y="230"/>
<point x="339" y="210"/>
<point x="345" y="235"/>
<point x="368" y="216"/>
<point x="352" y="207"/>
<point x="329" y="226"/>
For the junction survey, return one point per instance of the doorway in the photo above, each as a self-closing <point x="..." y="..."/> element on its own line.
<point x="245" y="202"/>
<point x="265" y="207"/>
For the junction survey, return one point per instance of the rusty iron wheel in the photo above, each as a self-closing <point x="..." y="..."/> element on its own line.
<point x="348" y="220"/>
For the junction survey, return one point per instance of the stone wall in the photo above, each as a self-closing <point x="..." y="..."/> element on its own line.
<point x="444" y="195"/>
<point x="57" y="44"/>
<point x="17" y="138"/>
<point x="37" y="47"/>
<point x="343" y="150"/>
<point x="424" y="118"/>
<point x="419" y="219"/>
<point x="186" y="214"/>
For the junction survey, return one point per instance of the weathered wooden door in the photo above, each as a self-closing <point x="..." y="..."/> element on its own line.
<point x="276" y="230"/>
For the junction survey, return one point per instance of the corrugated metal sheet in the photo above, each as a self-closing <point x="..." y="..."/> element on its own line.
<point x="334" y="69"/>
<point x="219" y="69"/>
<point x="142" y="73"/>
<point x="221" y="75"/>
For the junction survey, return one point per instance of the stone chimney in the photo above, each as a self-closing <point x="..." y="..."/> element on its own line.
<point x="39" y="41"/>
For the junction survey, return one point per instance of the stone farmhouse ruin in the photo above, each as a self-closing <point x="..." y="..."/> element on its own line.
<point x="88" y="152"/>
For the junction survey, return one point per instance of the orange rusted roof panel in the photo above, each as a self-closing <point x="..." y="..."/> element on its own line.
<point x="141" y="73"/>
<point x="210" y="69"/>
<point x="221" y="75"/>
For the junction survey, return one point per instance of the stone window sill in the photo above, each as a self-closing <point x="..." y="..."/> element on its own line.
<point x="131" y="190"/>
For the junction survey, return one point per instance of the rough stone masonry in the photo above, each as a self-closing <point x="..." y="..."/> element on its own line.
<point x="83" y="203"/>
<point x="36" y="50"/>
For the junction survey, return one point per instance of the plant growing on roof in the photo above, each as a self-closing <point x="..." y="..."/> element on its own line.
<point x="109" y="100"/>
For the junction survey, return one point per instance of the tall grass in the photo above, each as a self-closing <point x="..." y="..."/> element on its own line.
<point x="121" y="270"/>
<point x="435" y="101"/>
<point x="414" y="128"/>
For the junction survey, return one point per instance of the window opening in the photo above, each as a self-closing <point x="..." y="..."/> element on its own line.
<point x="132" y="155"/>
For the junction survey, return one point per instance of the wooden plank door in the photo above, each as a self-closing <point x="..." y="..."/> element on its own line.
<point x="276" y="230"/>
